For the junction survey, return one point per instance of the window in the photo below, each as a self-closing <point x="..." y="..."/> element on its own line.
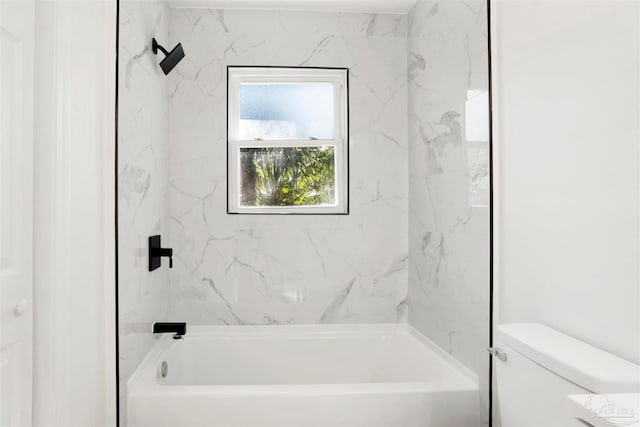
<point x="287" y="140"/>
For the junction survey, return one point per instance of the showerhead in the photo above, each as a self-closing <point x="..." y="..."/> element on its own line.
<point x="171" y="59"/>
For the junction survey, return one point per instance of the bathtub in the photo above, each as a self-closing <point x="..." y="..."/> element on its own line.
<point x="341" y="375"/>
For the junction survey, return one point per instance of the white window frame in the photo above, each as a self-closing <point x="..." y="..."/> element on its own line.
<point x="336" y="76"/>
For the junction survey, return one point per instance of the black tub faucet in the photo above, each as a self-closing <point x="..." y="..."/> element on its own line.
<point x="156" y="252"/>
<point x="178" y="328"/>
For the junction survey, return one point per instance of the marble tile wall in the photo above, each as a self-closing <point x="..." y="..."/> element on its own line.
<point x="242" y="269"/>
<point x="448" y="296"/>
<point x="143" y="171"/>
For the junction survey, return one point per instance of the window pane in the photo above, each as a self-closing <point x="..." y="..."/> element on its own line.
<point x="292" y="176"/>
<point x="286" y="111"/>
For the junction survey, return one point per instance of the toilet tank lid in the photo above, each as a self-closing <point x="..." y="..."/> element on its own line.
<point x="585" y="365"/>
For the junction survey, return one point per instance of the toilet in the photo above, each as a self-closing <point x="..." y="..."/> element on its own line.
<point x="536" y="368"/>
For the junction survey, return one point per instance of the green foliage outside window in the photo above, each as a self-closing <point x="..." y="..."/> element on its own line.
<point x="287" y="176"/>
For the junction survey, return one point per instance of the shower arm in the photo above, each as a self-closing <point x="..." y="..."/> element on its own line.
<point x="155" y="46"/>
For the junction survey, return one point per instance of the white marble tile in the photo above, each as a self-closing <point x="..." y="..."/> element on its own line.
<point x="237" y="269"/>
<point x="448" y="297"/>
<point x="143" y="171"/>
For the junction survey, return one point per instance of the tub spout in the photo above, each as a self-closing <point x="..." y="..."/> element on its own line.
<point x="178" y="328"/>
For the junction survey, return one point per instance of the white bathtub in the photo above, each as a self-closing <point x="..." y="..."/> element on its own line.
<point x="342" y="375"/>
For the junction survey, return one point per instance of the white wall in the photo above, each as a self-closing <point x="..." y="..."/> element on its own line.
<point x="449" y="236"/>
<point x="254" y="269"/>
<point x="74" y="260"/>
<point x="567" y="137"/>
<point x="143" y="173"/>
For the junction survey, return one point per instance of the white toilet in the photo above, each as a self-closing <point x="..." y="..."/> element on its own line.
<point x="542" y="367"/>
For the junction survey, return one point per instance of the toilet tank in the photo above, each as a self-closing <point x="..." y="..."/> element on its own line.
<point x="544" y="366"/>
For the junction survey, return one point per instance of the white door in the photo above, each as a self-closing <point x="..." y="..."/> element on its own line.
<point x="16" y="205"/>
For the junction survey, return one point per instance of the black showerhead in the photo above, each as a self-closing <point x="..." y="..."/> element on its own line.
<point x="171" y="58"/>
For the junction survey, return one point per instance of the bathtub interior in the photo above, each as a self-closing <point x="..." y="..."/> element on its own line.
<point x="254" y="356"/>
<point x="268" y="359"/>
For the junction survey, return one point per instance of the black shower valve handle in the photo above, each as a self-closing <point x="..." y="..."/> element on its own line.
<point x="156" y="252"/>
<point x="167" y="252"/>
